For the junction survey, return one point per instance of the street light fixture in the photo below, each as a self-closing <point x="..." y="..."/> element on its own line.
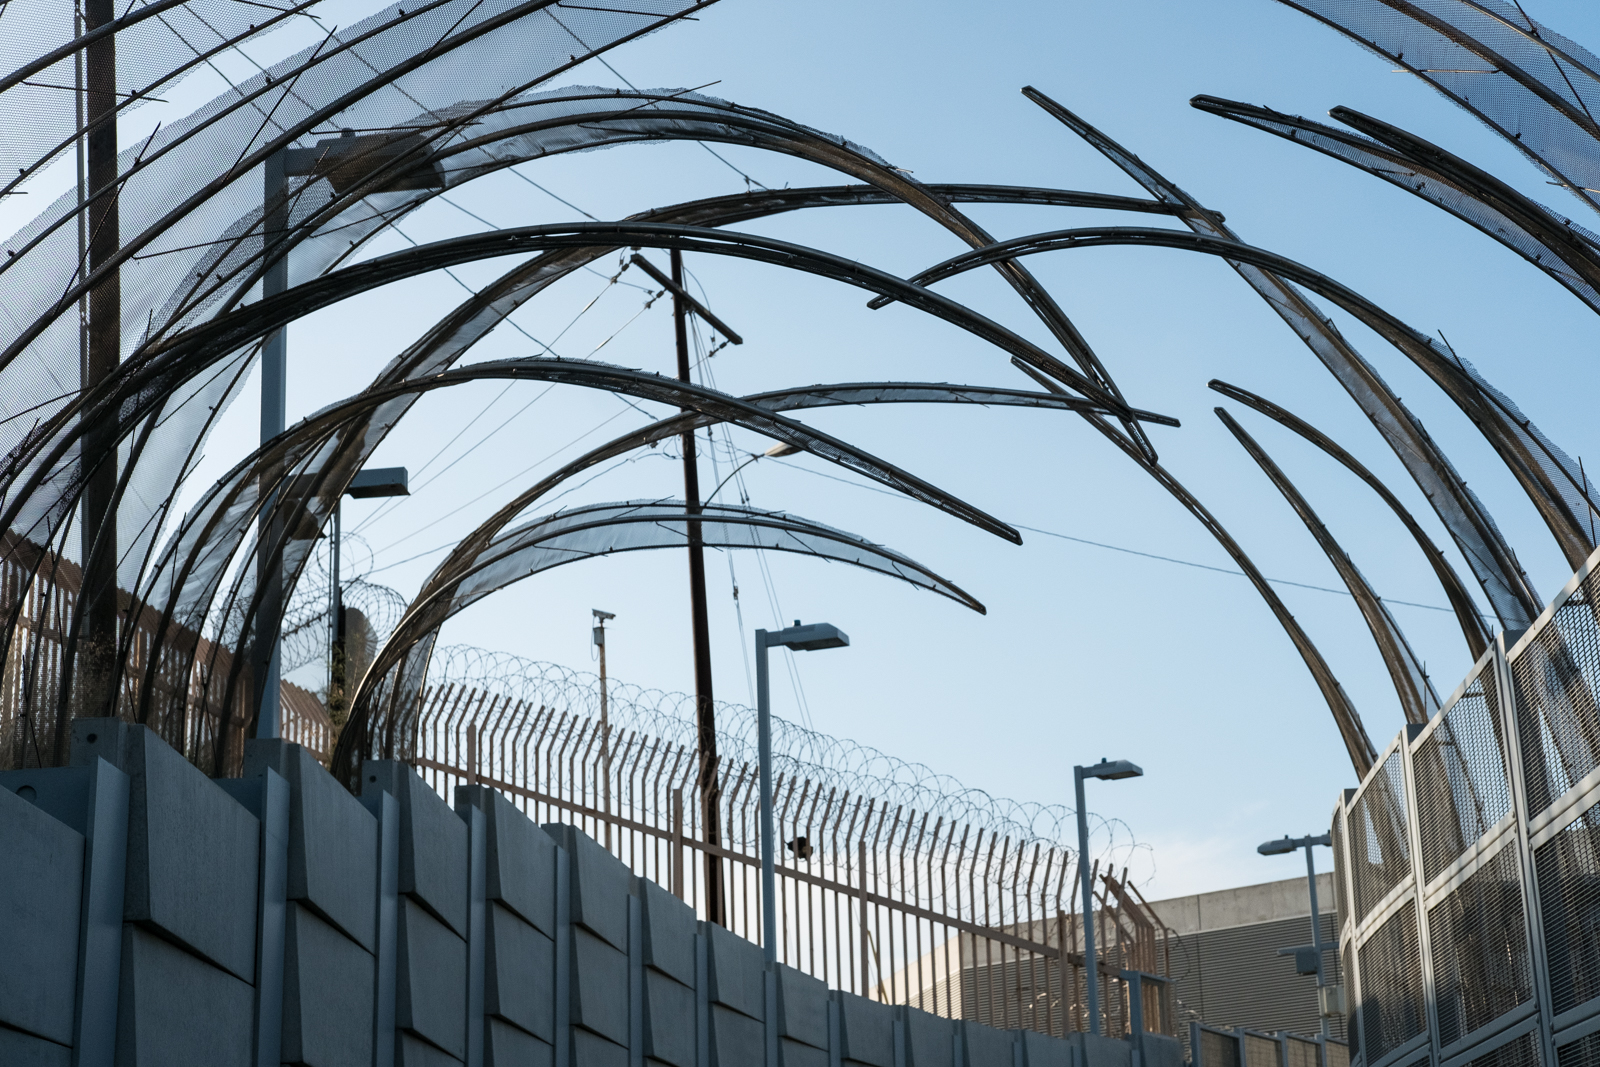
<point x="366" y="485"/>
<point x="1111" y="771"/>
<point x="1308" y="958"/>
<point x="809" y="638"/>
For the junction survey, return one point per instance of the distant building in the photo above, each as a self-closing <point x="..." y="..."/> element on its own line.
<point x="1224" y="956"/>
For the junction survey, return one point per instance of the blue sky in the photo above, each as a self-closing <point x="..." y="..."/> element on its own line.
<point x="1085" y="652"/>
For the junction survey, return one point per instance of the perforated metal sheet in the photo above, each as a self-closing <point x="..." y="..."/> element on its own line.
<point x="1218" y="1050"/>
<point x="1261" y="1051"/>
<point x="1460" y="776"/>
<point x="1480" y="949"/>
<point x="1392" y="1008"/>
<point x="1380" y="852"/>
<point x="1352" y="1018"/>
<point x="1518" y="1052"/>
<point x="1557" y="717"/>
<point x="1568" y="870"/>
<point x="1341" y="907"/>
<point x="1298" y="1053"/>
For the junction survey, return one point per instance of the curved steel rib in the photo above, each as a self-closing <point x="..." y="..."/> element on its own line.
<point x="585" y="533"/>
<point x="1417" y="698"/>
<point x="1345" y="717"/>
<point x="1546" y="88"/>
<point x="1455" y="590"/>
<point x="1493" y="563"/>
<point x="1446" y="371"/>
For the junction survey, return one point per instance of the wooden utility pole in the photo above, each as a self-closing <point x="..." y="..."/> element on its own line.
<point x="97" y="643"/>
<point x="705" y="715"/>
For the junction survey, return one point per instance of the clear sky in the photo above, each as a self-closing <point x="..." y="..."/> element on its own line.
<point x="1085" y="651"/>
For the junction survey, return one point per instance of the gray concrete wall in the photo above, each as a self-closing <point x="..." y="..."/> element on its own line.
<point x="157" y="918"/>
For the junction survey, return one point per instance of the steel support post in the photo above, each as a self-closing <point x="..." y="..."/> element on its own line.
<point x="705" y="715"/>
<point x="274" y="356"/>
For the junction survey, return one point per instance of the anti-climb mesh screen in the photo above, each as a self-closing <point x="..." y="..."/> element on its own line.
<point x="1341" y="907"/>
<point x="1352" y="1018"/>
<point x="1392" y="1009"/>
<point x="1298" y="1053"/>
<point x="1260" y="1051"/>
<point x="1555" y="678"/>
<point x="1584" y="1052"/>
<point x="1568" y="866"/>
<point x="1480" y="949"/>
<point x="1338" y="1055"/>
<point x="1460" y="774"/>
<point x="1380" y="854"/>
<point x="1518" y="1052"/>
<point x="1218" y="1050"/>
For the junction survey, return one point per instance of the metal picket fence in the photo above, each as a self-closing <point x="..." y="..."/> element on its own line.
<point x="893" y="904"/>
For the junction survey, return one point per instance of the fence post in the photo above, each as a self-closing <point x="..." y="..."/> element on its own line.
<point x="472" y="754"/>
<point x="866" y="976"/>
<point x="676" y="857"/>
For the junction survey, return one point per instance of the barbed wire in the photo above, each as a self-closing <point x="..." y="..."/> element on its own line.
<point x="803" y="753"/>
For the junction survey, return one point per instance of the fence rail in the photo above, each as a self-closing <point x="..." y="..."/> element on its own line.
<point x="890" y="903"/>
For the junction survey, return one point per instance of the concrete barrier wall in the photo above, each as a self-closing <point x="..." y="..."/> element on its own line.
<point x="158" y="918"/>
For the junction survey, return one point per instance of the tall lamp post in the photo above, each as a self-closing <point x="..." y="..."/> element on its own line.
<point x="808" y="638"/>
<point x="1308" y="958"/>
<point x="1110" y="770"/>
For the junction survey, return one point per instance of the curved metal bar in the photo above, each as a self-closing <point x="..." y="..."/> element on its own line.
<point x="1521" y="122"/>
<point x="1447" y="181"/>
<point x="1447" y="372"/>
<point x="1418" y="700"/>
<point x="1455" y="589"/>
<point x="449" y="572"/>
<point x="215" y="528"/>
<point x="1469" y="522"/>
<point x="606" y="529"/>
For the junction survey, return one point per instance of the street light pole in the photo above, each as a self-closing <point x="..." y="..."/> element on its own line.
<point x="1110" y="770"/>
<point x="600" y="620"/>
<point x="817" y="635"/>
<point x="1282" y="847"/>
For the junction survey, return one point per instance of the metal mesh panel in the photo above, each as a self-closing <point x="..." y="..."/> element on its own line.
<point x="1218" y="1050"/>
<point x="1392" y="1008"/>
<point x="1568" y="868"/>
<point x="1300" y="1053"/>
<point x="1518" y="1052"/>
<point x="1380" y="853"/>
<point x="1460" y="774"/>
<point x="1341" y="907"/>
<point x="1260" y="1051"/>
<point x="1338" y="1054"/>
<point x="1480" y="949"/>
<point x="1584" y="1052"/>
<point x="1352" y="1018"/>
<point x="1557" y="718"/>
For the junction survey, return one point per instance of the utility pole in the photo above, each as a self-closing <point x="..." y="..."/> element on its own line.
<point x="102" y="355"/>
<point x="600" y="620"/>
<point x="705" y="715"/>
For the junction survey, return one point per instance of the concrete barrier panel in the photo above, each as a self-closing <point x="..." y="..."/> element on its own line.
<point x="669" y="929"/>
<point x="736" y="972"/>
<point x="193" y="851"/>
<point x="23" y="1050"/>
<point x="930" y="1040"/>
<point x="522" y="859"/>
<point x="668" y="1020"/>
<point x="988" y="1047"/>
<point x="433" y="842"/>
<point x="599" y="987"/>
<point x="506" y="1046"/>
<point x="176" y="1009"/>
<point x="1041" y="1051"/>
<point x="520" y="965"/>
<point x="41" y="893"/>
<point x="592" y="1050"/>
<point x="410" y="1051"/>
<point x="431" y="983"/>
<point x="866" y="1031"/>
<point x="328" y="981"/>
<point x="736" y="1040"/>
<point x="333" y="840"/>
<point x="798" y="1054"/>
<point x="802" y="1007"/>
<point x="601" y="886"/>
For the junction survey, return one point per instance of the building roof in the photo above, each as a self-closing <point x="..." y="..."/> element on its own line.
<point x="1244" y="906"/>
